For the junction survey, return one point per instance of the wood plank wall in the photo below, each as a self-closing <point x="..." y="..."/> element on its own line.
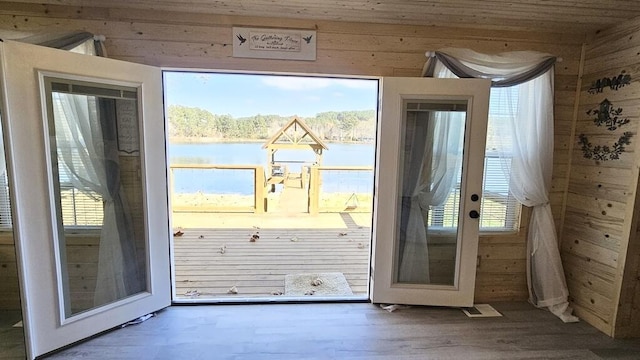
<point x="131" y="182"/>
<point x="9" y="290"/>
<point x="196" y="40"/>
<point x="82" y="249"/>
<point x="628" y="317"/>
<point x="82" y="256"/>
<point x="601" y="216"/>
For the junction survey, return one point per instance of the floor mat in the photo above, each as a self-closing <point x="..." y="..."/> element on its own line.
<point x="319" y="284"/>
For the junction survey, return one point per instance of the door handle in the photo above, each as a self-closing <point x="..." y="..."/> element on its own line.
<point x="474" y="214"/>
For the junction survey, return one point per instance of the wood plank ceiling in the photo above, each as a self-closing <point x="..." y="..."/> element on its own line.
<point x="572" y="16"/>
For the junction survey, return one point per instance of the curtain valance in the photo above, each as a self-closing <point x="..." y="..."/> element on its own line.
<point x="530" y="155"/>
<point x="506" y="69"/>
<point x="94" y="44"/>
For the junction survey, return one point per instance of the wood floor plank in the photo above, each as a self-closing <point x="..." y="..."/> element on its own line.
<point x="11" y="338"/>
<point x="351" y="331"/>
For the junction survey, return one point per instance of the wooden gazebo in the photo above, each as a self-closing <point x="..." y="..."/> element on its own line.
<point x="295" y="135"/>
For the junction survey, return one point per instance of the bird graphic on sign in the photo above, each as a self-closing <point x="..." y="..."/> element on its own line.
<point x="308" y="38"/>
<point x="242" y="39"/>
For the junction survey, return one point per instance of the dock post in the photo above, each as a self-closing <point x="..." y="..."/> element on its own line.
<point x="314" y="190"/>
<point x="259" y="185"/>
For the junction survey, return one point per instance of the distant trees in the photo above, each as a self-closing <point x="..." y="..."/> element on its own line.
<point x="192" y="122"/>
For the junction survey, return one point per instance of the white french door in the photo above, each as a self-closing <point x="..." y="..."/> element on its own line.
<point x="431" y="143"/>
<point x="85" y="131"/>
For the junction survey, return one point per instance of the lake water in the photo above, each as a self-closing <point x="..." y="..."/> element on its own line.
<point x="241" y="181"/>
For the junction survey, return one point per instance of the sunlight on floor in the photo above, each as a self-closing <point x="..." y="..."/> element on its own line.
<point x="266" y="221"/>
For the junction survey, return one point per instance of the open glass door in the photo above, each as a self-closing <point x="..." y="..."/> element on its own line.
<point x="429" y="181"/>
<point x="87" y="161"/>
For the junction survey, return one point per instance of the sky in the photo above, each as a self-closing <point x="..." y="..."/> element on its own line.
<point x="241" y="95"/>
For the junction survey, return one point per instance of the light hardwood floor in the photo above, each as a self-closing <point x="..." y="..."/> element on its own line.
<point x="351" y="331"/>
<point x="11" y="338"/>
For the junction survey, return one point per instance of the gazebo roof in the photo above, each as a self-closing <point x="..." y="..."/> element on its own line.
<point x="290" y="135"/>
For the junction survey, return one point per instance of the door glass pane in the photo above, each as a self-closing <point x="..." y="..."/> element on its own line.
<point x="97" y="187"/>
<point x="429" y="197"/>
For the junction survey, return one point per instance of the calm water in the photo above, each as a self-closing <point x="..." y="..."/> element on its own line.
<point x="241" y="181"/>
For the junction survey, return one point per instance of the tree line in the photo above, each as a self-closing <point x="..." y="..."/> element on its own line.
<point x="193" y="122"/>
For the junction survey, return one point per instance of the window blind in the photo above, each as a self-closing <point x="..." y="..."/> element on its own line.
<point x="499" y="210"/>
<point x="80" y="207"/>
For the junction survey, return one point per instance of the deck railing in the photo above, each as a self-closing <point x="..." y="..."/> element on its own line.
<point x="258" y="193"/>
<point x="315" y="184"/>
<point x="311" y="177"/>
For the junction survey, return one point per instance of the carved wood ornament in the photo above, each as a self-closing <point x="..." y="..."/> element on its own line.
<point x="609" y="116"/>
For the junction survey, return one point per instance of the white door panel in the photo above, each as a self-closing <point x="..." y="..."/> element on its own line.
<point x="431" y="143"/>
<point x="54" y="313"/>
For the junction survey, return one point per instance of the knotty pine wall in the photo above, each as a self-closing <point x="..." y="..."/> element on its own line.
<point x="600" y="232"/>
<point x="82" y="257"/>
<point x="82" y="248"/>
<point x="9" y="290"/>
<point x="195" y="40"/>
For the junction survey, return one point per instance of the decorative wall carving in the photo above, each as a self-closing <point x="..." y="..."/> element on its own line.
<point x="609" y="116"/>
<point x="614" y="83"/>
<point x="604" y="152"/>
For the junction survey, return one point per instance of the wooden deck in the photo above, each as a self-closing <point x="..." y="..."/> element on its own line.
<point x="257" y="269"/>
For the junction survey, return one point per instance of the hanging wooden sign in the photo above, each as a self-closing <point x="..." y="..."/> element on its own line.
<point x="127" y="127"/>
<point x="274" y="43"/>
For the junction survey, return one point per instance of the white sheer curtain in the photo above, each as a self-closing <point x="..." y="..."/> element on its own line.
<point x="448" y="144"/>
<point x="85" y="155"/>
<point x="531" y="136"/>
<point x="431" y="174"/>
<point x="414" y="252"/>
<point x="75" y="41"/>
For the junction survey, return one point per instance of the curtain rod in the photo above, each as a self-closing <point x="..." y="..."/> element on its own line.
<point x="433" y="54"/>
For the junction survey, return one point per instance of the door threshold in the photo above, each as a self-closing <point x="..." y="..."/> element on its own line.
<point x="273" y="300"/>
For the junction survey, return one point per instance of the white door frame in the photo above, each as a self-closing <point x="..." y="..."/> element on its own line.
<point x="23" y="67"/>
